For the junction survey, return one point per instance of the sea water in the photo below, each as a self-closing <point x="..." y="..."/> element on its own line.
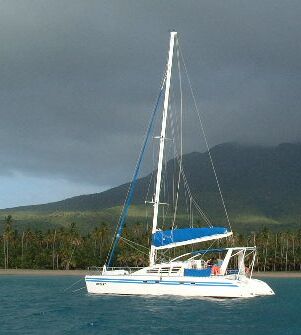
<point x="48" y="305"/>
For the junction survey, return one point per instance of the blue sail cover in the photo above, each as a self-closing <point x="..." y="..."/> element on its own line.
<point x="163" y="239"/>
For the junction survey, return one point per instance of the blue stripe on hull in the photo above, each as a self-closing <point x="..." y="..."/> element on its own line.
<point x="135" y="281"/>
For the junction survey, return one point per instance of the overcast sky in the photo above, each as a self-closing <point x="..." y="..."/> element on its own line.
<point x="78" y="81"/>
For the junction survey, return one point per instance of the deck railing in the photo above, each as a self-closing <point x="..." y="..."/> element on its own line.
<point x="96" y="269"/>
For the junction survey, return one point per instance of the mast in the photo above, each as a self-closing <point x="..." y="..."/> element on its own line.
<point x="173" y="35"/>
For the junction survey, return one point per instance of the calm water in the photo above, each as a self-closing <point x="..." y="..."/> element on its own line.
<point x="39" y="305"/>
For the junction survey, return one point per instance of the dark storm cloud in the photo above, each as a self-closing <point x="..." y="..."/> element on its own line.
<point x="79" y="78"/>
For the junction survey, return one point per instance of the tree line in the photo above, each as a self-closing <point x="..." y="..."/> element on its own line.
<point x="67" y="248"/>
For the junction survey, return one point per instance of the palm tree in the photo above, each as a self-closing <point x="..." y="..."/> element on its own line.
<point x="7" y="236"/>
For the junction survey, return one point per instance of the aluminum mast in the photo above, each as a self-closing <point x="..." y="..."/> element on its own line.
<point x="173" y="35"/>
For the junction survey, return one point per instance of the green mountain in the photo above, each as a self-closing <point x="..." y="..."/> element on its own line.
<point x="261" y="187"/>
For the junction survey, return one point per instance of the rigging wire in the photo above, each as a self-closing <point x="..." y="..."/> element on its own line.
<point x="187" y="190"/>
<point x="201" y="212"/>
<point x="117" y="234"/>
<point x="129" y="243"/>
<point x="140" y="245"/>
<point x="181" y="135"/>
<point x="151" y="181"/>
<point x="149" y="185"/>
<point x="205" y="139"/>
<point x="178" y="157"/>
<point x="132" y="185"/>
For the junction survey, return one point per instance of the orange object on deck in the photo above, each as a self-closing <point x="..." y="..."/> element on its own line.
<point x="215" y="270"/>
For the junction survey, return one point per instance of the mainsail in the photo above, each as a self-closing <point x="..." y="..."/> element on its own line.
<point x="165" y="239"/>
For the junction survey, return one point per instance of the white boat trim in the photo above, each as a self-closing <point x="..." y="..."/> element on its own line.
<point x="195" y="276"/>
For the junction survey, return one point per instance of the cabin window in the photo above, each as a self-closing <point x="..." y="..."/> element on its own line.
<point x="154" y="270"/>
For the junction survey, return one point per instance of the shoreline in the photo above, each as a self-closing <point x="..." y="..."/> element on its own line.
<point x="277" y="274"/>
<point x="34" y="272"/>
<point x="58" y="273"/>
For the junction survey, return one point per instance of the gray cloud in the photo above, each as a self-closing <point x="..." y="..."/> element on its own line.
<point x="79" y="79"/>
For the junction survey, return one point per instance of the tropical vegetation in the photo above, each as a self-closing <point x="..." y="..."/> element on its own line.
<point x="66" y="248"/>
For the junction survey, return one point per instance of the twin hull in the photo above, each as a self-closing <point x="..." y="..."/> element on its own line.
<point x="188" y="287"/>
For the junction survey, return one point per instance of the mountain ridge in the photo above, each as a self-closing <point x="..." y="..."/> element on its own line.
<point x="257" y="181"/>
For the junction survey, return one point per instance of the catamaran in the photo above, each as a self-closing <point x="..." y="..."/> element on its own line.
<point x="191" y="274"/>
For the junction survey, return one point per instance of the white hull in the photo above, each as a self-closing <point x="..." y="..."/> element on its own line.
<point x="217" y="286"/>
<point x="197" y="276"/>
